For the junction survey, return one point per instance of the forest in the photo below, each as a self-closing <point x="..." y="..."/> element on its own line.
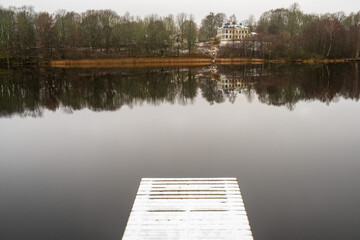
<point x="29" y="36"/>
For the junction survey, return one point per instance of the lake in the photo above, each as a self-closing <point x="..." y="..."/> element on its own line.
<point x="75" y="143"/>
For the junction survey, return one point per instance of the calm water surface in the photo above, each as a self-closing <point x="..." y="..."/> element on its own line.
<point x="74" y="145"/>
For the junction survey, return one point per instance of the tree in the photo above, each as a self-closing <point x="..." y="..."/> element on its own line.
<point x="129" y="34"/>
<point x="220" y="19"/>
<point x="208" y="27"/>
<point x="25" y="33"/>
<point x="91" y="29"/>
<point x="190" y="33"/>
<point x="294" y="19"/>
<point x="181" y="18"/>
<point x="352" y="23"/>
<point x="232" y="19"/>
<point x="45" y="32"/>
<point x="250" y="22"/>
<point x="157" y="36"/>
<point x="170" y="26"/>
<point x="7" y="24"/>
<point x="332" y="27"/>
<point x="210" y="24"/>
<point x="67" y="25"/>
<point x="107" y="20"/>
<point x="273" y="21"/>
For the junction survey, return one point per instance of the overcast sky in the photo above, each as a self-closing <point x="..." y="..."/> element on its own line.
<point x="242" y="9"/>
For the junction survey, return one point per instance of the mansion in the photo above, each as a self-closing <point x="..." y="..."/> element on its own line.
<point x="232" y="32"/>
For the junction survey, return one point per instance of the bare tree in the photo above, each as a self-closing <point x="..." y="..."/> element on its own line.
<point x="190" y="33"/>
<point x="181" y="18"/>
<point x="232" y="19"/>
<point x="332" y="26"/>
<point x="7" y="24"/>
<point x="45" y="35"/>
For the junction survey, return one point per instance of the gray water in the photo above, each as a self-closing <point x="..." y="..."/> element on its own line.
<point x="74" y="145"/>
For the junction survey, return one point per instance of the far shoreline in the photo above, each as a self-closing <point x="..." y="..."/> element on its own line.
<point x="179" y="62"/>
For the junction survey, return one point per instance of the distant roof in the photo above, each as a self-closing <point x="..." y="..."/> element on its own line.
<point x="228" y="25"/>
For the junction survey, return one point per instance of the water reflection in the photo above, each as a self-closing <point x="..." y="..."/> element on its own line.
<point x="75" y="176"/>
<point x="28" y="92"/>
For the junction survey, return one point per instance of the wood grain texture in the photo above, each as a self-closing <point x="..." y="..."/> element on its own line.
<point x="188" y="208"/>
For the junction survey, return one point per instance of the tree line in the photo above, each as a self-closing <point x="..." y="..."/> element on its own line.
<point x="25" y="34"/>
<point x="290" y="33"/>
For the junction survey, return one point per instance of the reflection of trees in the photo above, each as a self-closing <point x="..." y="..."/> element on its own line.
<point x="28" y="92"/>
<point x="249" y="93"/>
<point x="189" y="87"/>
<point x="285" y="85"/>
<point x="211" y="92"/>
<point x="25" y="92"/>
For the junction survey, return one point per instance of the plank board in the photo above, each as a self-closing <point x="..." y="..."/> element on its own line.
<point x="188" y="208"/>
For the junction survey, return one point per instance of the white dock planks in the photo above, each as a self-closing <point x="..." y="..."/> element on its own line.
<point x="188" y="208"/>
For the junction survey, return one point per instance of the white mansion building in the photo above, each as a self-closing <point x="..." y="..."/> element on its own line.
<point x="232" y="32"/>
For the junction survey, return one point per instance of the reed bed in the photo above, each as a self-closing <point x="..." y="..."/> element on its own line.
<point x="344" y="60"/>
<point x="178" y="62"/>
<point x="239" y="61"/>
<point x="131" y="62"/>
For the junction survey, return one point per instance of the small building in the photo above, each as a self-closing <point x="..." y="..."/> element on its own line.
<point x="232" y="32"/>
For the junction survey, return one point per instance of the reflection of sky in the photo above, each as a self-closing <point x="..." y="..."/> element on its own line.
<point x="298" y="170"/>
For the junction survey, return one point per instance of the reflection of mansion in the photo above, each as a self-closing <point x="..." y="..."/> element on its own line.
<point x="232" y="32"/>
<point x="227" y="84"/>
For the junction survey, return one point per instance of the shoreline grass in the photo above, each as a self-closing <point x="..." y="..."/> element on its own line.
<point x="178" y="62"/>
<point x="131" y="62"/>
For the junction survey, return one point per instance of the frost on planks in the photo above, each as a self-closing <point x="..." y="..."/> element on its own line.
<point x="188" y="208"/>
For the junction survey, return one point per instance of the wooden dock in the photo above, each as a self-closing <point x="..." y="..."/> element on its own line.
<point x="188" y="208"/>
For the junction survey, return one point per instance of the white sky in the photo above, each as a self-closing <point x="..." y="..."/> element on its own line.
<point x="200" y="8"/>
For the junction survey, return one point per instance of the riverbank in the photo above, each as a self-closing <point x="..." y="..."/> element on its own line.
<point x="262" y="61"/>
<point x="129" y="62"/>
<point x="178" y="62"/>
